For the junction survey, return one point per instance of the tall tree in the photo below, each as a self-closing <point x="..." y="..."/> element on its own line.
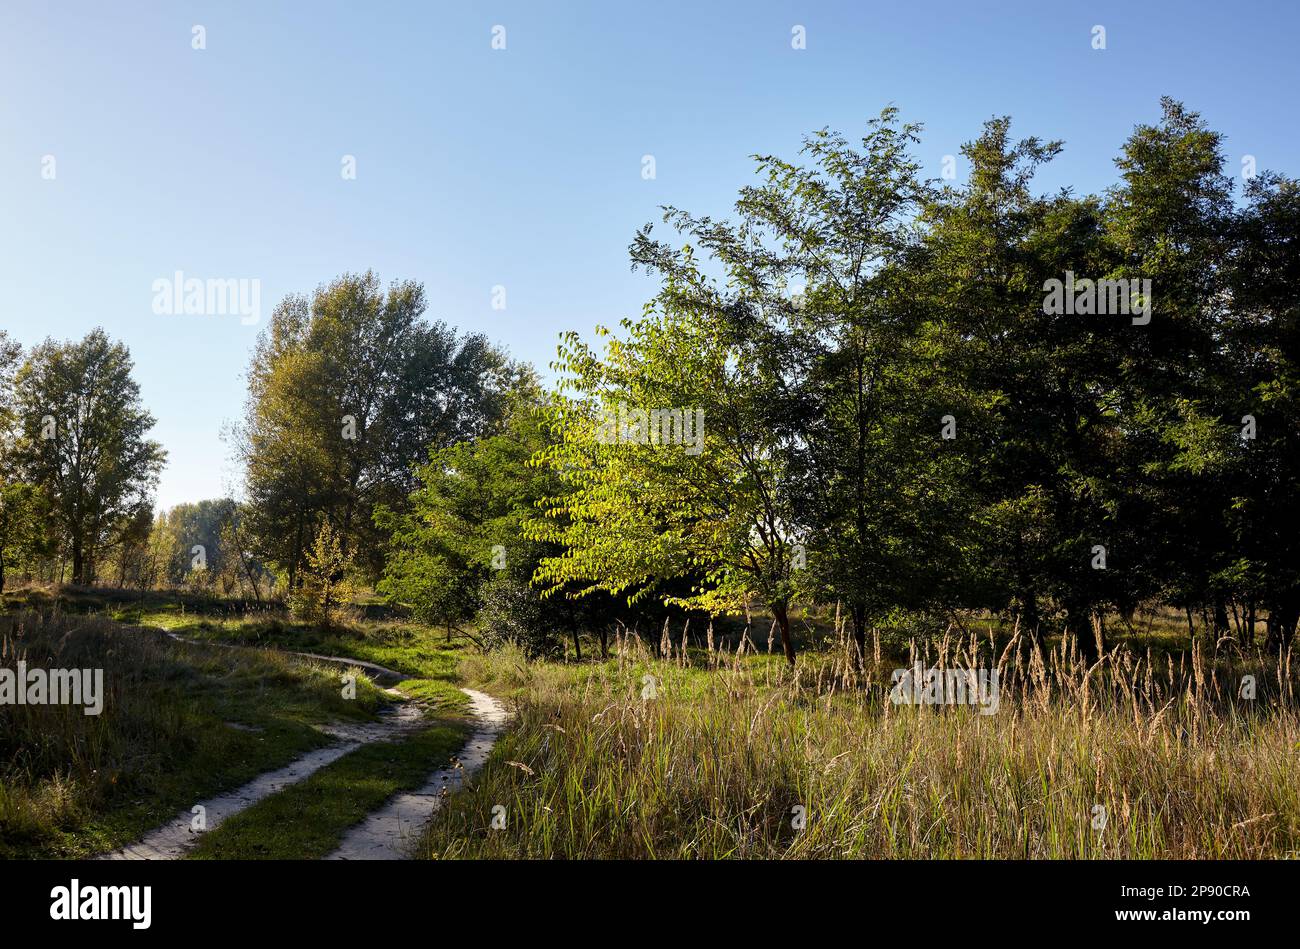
<point x="347" y="392"/>
<point x="1169" y="221"/>
<point x="84" y="442"/>
<point x="1262" y="408"/>
<point x="877" y="493"/>
<point x="24" y="533"/>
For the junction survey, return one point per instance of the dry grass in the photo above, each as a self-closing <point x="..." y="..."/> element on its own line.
<point x="716" y="763"/>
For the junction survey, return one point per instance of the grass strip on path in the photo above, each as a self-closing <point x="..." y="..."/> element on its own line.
<point x="308" y="820"/>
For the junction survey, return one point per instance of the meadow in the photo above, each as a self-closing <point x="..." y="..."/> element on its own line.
<point x="679" y="745"/>
<point x="1150" y="754"/>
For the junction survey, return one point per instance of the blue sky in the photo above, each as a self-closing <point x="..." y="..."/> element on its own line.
<point x="518" y="167"/>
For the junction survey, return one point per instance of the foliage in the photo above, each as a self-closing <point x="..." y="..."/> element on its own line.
<point x="324" y="588"/>
<point x="82" y="439"/>
<point x="348" y="391"/>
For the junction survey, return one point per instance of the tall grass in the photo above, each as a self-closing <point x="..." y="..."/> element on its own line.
<point x="1140" y="756"/>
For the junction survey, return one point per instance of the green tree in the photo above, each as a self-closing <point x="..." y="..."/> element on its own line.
<point x="1261" y="410"/>
<point x="22" y="508"/>
<point x="877" y="495"/>
<point x="462" y="549"/>
<point x="83" y="441"/>
<point x="197" y="552"/>
<point x="348" y="390"/>
<point x="325" y="587"/>
<point x="677" y="460"/>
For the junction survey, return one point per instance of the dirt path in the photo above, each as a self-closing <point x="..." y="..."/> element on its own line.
<point x="388" y="833"/>
<point x="382" y="835"/>
<point x="174" y="839"/>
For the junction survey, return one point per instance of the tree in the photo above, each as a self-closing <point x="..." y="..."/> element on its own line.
<point x="197" y="552"/>
<point x="1262" y="409"/>
<point x="347" y="393"/>
<point x="813" y="367"/>
<point x="83" y="441"/>
<point x="462" y="548"/>
<point x="239" y="566"/>
<point x="876" y="494"/>
<point x="22" y="505"/>
<point x="676" y="456"/>
<point x="325" y="587"/>
<point x="1169" y="221"/>
<point x="132" y="553"/>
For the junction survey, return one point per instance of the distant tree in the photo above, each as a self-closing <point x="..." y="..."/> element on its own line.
<point x="348" y="391"/>
<point x="83" y="441"/>
<point x="239" y="568"/>
<point x="132" y="552"/>
<point x="198" y="552"/>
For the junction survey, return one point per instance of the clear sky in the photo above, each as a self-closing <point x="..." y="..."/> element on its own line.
<point x="519" y="167"/>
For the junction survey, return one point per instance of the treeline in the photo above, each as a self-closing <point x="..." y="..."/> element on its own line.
<point x="929" y="397"/>
<point x="903" y="396"/>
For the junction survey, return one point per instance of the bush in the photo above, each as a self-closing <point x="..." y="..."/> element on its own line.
<point x="513" y="613"/>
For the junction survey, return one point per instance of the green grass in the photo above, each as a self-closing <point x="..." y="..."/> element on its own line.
<point x="711" y="767"/>
<point x="186" y="721"/>
<point x="73" y="785"/>
<point x="408" y="648"/>
<point x="438" y="696"/>
<point x="307" y="820"/>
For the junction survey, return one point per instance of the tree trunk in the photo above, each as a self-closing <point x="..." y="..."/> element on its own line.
<point x="1249" y="638"/>
<point x="2" y="573"/>
<point x="1221" y="627"/>
<point x="859" y="614"/>
<point x="1089" y="635"/>
<point x="577" y="645"/>
<point x="604" y="642"/>
<point x="252" y="581"/>
<point x="1029" y="618"/>
<point x="783" y="621"/>
<point x="78" y="563"/>
<point x="297" y="553"/>
<point x="1281" y="626"/>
